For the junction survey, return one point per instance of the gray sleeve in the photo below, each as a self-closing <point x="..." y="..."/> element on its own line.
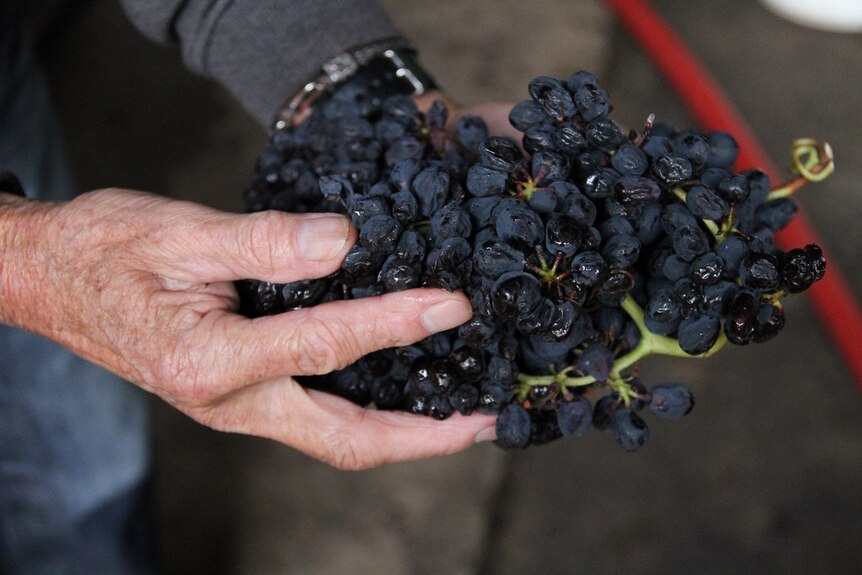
<point x="262" y="51"/>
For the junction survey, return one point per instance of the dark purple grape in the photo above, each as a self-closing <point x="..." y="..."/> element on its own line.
<point x="759" y="271"/>
<point x="603" y="412"/>
<point x="655" y="146"/>
<point x="439" y="407"/>
<point x="437" y="115"/>
<point x="662" y="314"/>
<point x="798" y="271"/>
<point x="538" y="320"/>
<point x="621" y="250"/>
<point x="578" y="207"/>
<point x="634" y="191"/>
<point x="693" y="146"/>
<point x="717" y="297"/>
<point x="630" y="430"/>
<point x="398" y="275"/>
<point x="671" y="170"/>
<point x="688" y="296"/>
<point x="304" y="293"/>
<point x="526" y="114"/>
<point x="363" y="208"/>
<point x="697" y="334"/>
<point x="769" y="321"/>
<point x="707" y="269"/>
<point x="597" y="361"/>
<point x="492" y="258"/>
<point x="553" y="96"/>
<point x="386" y="393"/>
<point x="518" y="224"/>
<point x="404" y="148"/>
<point x="482" y="181"/>
<point x="734" y="189"/>
<point x="670" y="400"/>
<point x="589" y="268"/>
<point x="513" y="427"/>
<point x="471" y="131"/>
<point x="450" y="221"/>
<point x="464" y="398"/>
<point x="723" y="150"/>
<point x="562" y="235"/>
<point x="485" y="215"/>
<point x="676" y="216"/>
<point x="776" y="214"/>
<point x="603" y="133"/>
<point x="630" y="160"/>
<point x="411" y="247"/>
<point x="675" y="268"/>
<point x="732" y="251"/>
<point x="379" y="235"/>
<point x="647" y="224"/>
<point x="543" y="201"/>
<point x="515" y="294"/>
<point x="740" y="324"/>
<point x="569" y="139"/>
<point x="405" y="208"/>
<point x="575" y="417"/>
<point x="431" y="187"/>
<point x="403" y="173"/>
<point x="705" y="203"/>
<point x="591" y="100"/>
<point x="500" y="153"/>
<point x="689" y="242"/>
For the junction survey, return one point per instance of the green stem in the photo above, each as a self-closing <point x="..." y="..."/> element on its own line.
<point x="649" y="344"/>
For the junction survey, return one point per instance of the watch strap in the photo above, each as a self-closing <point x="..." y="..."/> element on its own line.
<point x="383" y="68"/>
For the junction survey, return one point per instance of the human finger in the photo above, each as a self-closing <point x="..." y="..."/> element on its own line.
<point x="310" y="341"/>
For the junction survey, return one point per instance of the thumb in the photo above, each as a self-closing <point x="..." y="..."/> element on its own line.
<point x="271" y="246"/>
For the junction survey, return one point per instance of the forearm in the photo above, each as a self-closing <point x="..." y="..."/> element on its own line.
<point x="262" y="51"/>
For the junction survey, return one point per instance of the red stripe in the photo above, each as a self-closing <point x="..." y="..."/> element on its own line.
<point x="831" y="297"/>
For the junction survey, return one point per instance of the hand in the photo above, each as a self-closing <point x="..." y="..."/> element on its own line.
<point x="143" y="286"/>
<point x="495" y="114"/>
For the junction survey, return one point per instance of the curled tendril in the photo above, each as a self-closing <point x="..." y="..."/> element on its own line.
<point x="812" y="160"/>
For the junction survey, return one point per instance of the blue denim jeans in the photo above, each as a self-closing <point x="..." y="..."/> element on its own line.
<point x="74" y="451"/>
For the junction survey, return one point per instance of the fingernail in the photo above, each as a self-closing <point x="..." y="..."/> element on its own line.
<point x="446" y="315"/>
<point x="321" y="238"/>
<point x="487" y="434"/>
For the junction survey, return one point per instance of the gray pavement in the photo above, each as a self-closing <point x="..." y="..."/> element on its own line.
<point x="763" y="476"/>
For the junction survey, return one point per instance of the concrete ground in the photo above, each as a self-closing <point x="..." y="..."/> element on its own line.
<point x="764" y="476"/>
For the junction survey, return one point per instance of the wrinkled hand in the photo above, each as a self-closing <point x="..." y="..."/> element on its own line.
<point x="143" y="286"/>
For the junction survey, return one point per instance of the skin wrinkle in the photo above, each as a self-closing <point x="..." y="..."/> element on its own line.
<point x="197" y="361"/>
<point x="320" y="347"/>
<point x="259" y="237"/>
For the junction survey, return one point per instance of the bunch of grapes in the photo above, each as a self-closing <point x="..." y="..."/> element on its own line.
<point x="582" y="248"/>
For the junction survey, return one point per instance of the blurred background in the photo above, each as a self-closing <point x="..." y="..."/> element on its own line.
<point x="765" y="475"/>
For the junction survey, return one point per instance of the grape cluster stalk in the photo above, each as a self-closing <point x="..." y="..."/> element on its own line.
<point x="582" y="249"/>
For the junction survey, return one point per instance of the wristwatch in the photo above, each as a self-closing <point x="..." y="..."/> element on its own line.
<point x="383" y="69"/>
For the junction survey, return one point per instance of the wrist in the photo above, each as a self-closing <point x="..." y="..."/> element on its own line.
<point x="380" y="69"/>
<point x="22" y="221"/>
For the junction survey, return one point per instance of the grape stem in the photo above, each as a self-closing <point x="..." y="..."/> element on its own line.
<point x="812" y="160"/>
<point x="650" y="344"/>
